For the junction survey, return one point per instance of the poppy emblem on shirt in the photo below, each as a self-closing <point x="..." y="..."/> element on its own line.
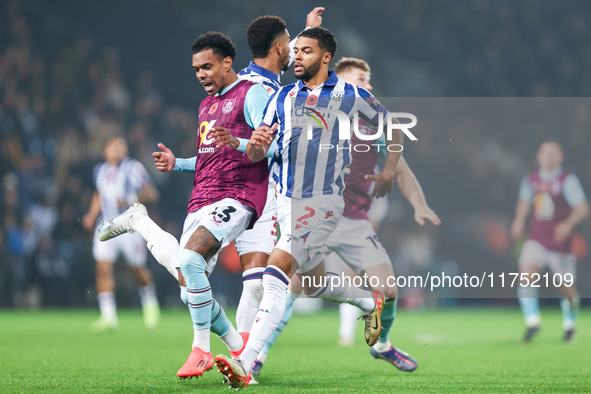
<point x="213" y="108"/>
<point x="312" y="100"/>
<point x="228" y="106"/>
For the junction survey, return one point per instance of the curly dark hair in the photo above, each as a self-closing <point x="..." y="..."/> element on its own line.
<point x="325" y="38"/>
<point x="262" y="32"/>
<point x="220" y="44"/>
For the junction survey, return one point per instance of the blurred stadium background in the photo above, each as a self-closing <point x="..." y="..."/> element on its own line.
<point x="75" y="73"/>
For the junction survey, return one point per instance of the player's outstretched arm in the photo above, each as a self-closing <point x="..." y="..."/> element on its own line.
<point x="385" y="179"/>
<point x="224" y="137"/>
<point x="260" y="141"/>
<point x="164" y="160"/>
<point x="89" y="220"/>
<point x="411" y="188"/>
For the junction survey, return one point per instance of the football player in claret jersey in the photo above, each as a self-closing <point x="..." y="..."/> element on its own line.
<point x="312" y="194"/>
<point x="269" y="42"/>
<point x="354" y="242"/>
<point x="229" y="193"/>
<point x="559" y="205"/>
<point x="119" y="181"/>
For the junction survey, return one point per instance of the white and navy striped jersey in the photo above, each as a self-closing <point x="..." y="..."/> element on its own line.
<point x="257" y="74"/>
<point x="118" y="186"/>
<point x="305" y="168"/>
<point x="271" y="82"/>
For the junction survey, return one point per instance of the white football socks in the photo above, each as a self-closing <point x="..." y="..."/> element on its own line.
<point x="201" y="339"/>
<point x="147" y="294"/>
<point x="268" y="316"/>
<point x="345" y="293"/>
<point x="233" y="340"/>
<point x="252" y="294"/>
<point x="348" y="322"/>
<point x="107" y="306"/>
<point x="163" y="246"/>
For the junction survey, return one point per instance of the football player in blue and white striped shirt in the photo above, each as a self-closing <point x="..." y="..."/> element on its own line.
<point x="119" y="181"/>
<point x="268" y="39"/>
<point x="310" y="186"/>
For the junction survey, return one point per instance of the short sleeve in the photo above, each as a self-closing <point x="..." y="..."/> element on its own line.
<point x="573" y="191"/>
<point x="526" y="193"/>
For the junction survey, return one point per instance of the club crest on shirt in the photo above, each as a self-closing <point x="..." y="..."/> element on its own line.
<point x="228" y="106"/>
<point x="337" y="95"/>
<point x="213" y="108"/>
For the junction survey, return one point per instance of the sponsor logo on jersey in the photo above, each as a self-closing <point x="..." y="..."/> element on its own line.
<point x="206" y="136"/>
<point x="372" y="101"/>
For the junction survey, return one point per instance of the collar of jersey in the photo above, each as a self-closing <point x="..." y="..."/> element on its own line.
<point x="263" y="71"/>
<point x="227" y="88"/>
<point x="331" y="81"/>
<point x="547" y="176"/>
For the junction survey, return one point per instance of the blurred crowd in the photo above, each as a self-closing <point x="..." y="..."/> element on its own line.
<point x="62" y="96"/>
<point x="58" y="107"/>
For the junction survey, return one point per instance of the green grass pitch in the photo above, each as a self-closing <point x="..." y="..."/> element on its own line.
<point x="458" y="350"/>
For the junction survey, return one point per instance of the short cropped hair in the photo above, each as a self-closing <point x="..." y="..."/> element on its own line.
<point x="349" y="62"/>
<point x="220" y="44"/>
<point x="262" y="32"/>
<point x="326" y="40"/>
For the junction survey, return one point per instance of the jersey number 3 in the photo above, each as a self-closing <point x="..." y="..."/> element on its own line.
<point x="223" y="215"/>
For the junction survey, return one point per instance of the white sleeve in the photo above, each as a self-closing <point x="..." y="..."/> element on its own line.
<point x="573" y="191"/>
<point x="138" y="176"/>
<point x="526" y="193"/>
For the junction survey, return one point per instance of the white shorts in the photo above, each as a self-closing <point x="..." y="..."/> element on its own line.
<point x="225" y="219"/>
<point x="358" y="245"/>
<point x="132" y="246"/>
<point x="314" y="220"/>
<point x="534" y="253"/>
<point x="263" y="236"/>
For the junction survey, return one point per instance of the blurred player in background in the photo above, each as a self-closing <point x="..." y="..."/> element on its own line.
<point x="559" y="205"/>
<point x="229" y="193"/>
<point x="354" y="247"/>
<point x="119" y="182"/>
